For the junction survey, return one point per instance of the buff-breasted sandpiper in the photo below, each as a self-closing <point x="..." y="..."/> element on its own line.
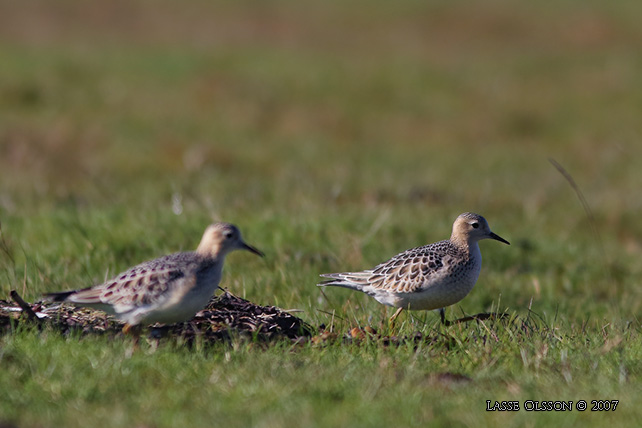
<point x="168" y="289"/>
<point x="430" y="277"/>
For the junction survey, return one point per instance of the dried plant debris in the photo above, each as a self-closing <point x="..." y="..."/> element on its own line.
<point x="434" y="338"/>
<point x="358" y="335"/>
<point x="224" y="317"/>
<point x="227" y="316"/>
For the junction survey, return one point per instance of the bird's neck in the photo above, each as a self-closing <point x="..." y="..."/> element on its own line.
<point x="467" y="246"/>
<point x="213" y="263"/>
<point x="206" y="249"/>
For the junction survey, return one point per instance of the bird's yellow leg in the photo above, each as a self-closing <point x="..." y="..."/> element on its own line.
<point x="134" y="331"/>
<point x="394" y="317"/>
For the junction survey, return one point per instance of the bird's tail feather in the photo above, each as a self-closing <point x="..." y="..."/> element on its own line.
<point x="352" y="280"/>
<point x="87" y="295"/>
<point x="59" y="296"/>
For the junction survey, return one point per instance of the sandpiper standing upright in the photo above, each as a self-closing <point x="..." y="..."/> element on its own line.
<point x="430" y="277"/>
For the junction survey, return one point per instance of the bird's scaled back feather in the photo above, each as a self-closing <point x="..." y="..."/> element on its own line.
<point x="407" y="272"/>
<point x="150" y="283"/>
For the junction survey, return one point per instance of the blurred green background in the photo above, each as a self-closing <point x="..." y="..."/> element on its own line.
<point x="335" y="134"/>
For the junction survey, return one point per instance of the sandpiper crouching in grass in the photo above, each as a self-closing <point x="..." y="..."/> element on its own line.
<point x="169" y="289"/>
<point x="430" y="277"/>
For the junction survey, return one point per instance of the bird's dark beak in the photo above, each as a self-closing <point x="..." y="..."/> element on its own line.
<point x="252" y="250"/>
<point x="498" y="238"/>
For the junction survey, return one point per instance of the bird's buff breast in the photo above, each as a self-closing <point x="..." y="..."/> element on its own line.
<point x="182" y="306"/>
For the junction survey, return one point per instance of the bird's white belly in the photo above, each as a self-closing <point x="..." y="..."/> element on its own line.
<point x="432" y="298"/>
<point x="188" y="307"/>
<point x="183" y="306"/>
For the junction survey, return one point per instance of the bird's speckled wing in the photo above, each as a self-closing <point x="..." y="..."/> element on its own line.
<point x="406" y="272"/>
<point x="149" y="283"/>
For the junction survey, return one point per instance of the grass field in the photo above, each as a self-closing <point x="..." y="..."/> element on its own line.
<point x="334" y="134"/>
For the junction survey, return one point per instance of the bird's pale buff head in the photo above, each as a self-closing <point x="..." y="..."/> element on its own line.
<point x="470" y="228"/>
<point x="221" y="238"/>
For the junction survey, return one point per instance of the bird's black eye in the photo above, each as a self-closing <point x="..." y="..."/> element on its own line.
<point x="228" y="234"/>
<point x="475" y="225"/>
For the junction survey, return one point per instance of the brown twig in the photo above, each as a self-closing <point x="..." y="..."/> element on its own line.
<point x="26" y="308"/>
